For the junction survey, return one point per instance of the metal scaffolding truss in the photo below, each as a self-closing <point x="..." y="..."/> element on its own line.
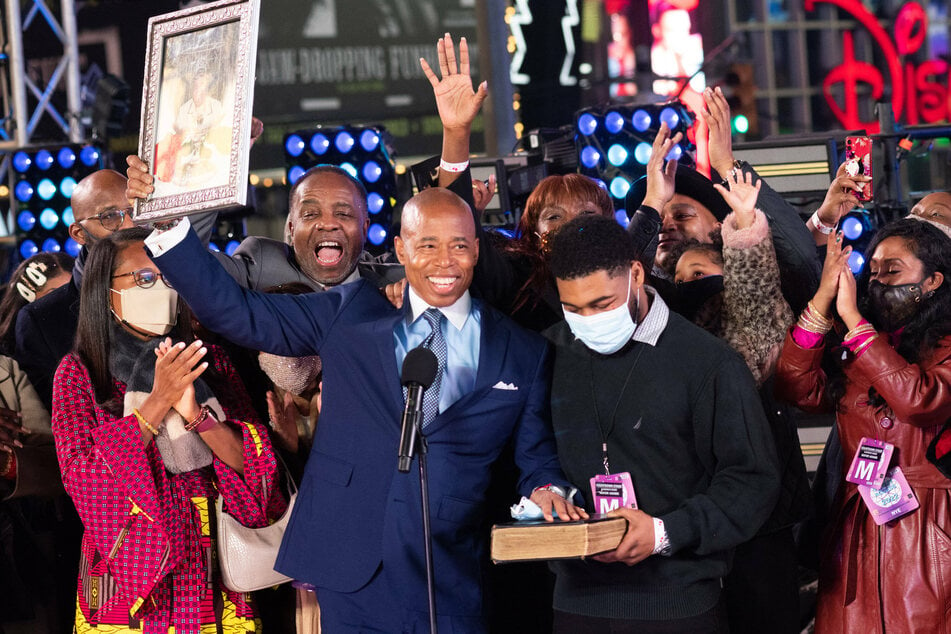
<point x="19" y="123"/>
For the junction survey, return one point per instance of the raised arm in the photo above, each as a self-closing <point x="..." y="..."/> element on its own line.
<point x="457" y="102"/>
<point x="287" y="325"/>
<point x="794" y="244"/>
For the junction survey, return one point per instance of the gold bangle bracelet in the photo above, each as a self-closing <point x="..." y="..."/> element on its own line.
<point x="139" y="417"/>
<point x="815" y="315"/>
<point x="812" y="307"/>
<point x="864" y="329"/>
<point x="865" y="344"/>
<point x="813" y="329"/>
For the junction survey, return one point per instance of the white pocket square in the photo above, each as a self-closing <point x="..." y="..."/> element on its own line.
<point x="501" y="385"/>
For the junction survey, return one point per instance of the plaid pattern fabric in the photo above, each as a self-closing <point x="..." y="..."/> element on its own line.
<point x="143" y="529"/>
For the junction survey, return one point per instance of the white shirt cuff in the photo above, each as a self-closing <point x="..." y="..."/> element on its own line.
<point x="661" y="540"/>
<point x="160" y="241"/>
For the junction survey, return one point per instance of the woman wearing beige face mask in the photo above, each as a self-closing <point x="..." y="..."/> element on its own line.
<point x="149" y="433"/>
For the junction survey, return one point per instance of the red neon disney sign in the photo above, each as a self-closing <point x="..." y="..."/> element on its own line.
<point x="919" y="92"/>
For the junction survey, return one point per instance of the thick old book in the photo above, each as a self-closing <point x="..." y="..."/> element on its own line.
<point x="531" y="541"/>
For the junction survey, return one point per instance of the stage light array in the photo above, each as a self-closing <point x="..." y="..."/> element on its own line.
<point x="614" y="142"/>
<point x="361" y="152"/>
<point x="44" y="179"/>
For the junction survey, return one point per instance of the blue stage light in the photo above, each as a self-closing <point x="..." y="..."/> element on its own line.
<point x="22" y="162"/>
<point x="72" y="247"/>
<point x="48" y="219"/>
<point x="590" y="157"/>
<point x="294" y="174"/>
<point x="294" y="145"/>
<point x="619" y="186"/>
<point x="852" y="228"/>
<point x="617" y="155"/>
<point x="675" y="153"/>
<point x="344" y="142"/>
<point x="600" y="183"/>
<point x="349" y="169"/>
<point x="28" y="249"/>
<point x="23" y="191"/>
<point x="856" y="262"/>
<point x="89" y="156"/>
<point x="232" y="246"/>
<point x="372" y="172"/>
<point x="319" y="143"/>
<point x="621" y="216"/>
<point x="642" y="153"/>
<point x="213" y="247"/>
<point x="369" y="140"/>
<point x="670" y="117"/>
<point x="376" y="234"/>
<point x="375" y="203"/>
<point x="52" y="245"/>
<point x="26" y="220"/>
<point x="44" y="160"/>
<point x="68" y="218"/>
<point x="46" y="189"/>
<point x="641" y="120"/>
<point x="587" y="124"/>
<point x="67" y="185"/>
<point x="66" y="158"/>
<point x="613" y="122"/>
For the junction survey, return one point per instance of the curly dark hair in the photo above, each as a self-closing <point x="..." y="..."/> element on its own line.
<point x="933" y="319"/>
<point x="589" y="244"/>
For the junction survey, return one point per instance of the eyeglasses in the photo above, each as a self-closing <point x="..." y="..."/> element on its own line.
<point x="111" y="219"/>
<point x="145" y="278"/>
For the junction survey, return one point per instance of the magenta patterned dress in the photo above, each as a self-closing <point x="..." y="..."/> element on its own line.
<point x="148" y="552"/>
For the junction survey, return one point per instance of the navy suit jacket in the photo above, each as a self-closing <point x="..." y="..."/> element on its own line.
<point x="354" y="510"/>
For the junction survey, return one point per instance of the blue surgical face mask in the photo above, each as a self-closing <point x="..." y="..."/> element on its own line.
<point x="605" y="332"/>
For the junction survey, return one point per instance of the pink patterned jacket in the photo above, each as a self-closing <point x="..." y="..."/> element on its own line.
<point x="148" y="545"/>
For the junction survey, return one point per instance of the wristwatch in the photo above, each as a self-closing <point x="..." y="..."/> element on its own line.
<point x="737" y="167"/>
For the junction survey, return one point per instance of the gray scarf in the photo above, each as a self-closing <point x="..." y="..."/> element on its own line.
<point x="132" y="361"/>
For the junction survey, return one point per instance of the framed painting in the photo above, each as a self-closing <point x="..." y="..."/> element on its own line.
<point x="196" y="108"/>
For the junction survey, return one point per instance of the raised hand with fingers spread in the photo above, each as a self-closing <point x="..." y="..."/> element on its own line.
<point x="741" y="196"/>
<point x="458" y="103"/>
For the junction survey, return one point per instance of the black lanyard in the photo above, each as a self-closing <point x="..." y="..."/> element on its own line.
<point x="597" y="415"/>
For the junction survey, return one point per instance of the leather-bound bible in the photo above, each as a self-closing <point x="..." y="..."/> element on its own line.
<point x="531" y="541"/>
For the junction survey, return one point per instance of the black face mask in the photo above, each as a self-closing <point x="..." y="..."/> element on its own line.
<point x="687" y="298"/>
<point x="893" y="306"/>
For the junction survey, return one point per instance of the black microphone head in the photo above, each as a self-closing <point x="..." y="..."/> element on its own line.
<point x="420" y="367"/>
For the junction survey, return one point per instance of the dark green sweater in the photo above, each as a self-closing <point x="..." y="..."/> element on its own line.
<point x="691" y="431"/>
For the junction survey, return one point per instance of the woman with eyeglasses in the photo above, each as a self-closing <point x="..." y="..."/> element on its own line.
<point x="148" y="434"/>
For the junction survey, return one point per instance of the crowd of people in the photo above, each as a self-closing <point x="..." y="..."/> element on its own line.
<point x="667" y="357"/>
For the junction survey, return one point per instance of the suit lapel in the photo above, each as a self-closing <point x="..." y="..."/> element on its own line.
<point x="493" y="346"/>
<point x="386" y="352"/>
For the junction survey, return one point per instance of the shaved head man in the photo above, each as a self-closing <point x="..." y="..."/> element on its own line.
<point x="100" y="207"/>
<point x="45" y="328"/>
<point x="437" y="246"/>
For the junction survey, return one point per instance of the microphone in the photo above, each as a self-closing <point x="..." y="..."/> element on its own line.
<point x="419" y="372"/>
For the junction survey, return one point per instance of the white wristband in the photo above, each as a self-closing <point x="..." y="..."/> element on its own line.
<point x="820" y="226"/>
<point x="453" y="167"/>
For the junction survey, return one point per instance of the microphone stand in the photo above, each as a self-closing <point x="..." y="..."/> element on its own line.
<point x="419" y="446"/>
<point x="423" y="449"/>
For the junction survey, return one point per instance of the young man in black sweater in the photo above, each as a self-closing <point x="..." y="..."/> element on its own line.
<point x="640" y="393"/>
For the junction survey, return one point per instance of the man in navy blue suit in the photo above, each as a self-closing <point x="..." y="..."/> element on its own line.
<point x="355" y="532"/>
